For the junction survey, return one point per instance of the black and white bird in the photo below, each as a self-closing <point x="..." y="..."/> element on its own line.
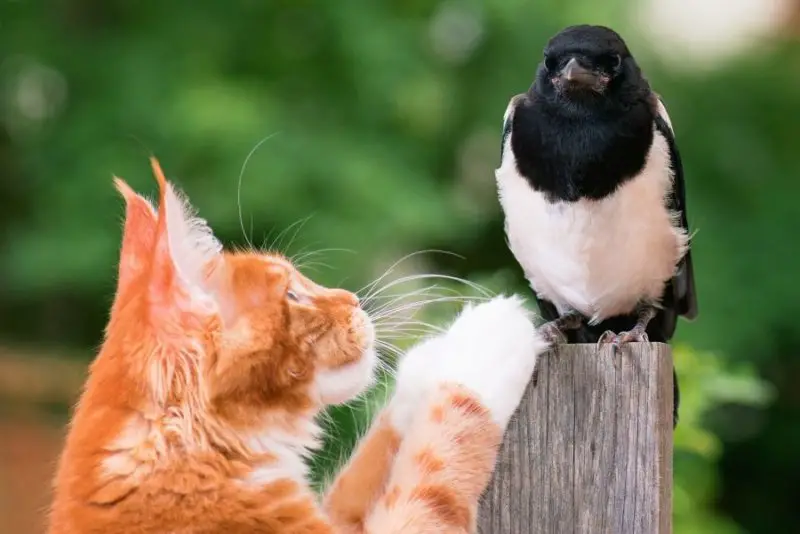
<point x="592" y="188"/>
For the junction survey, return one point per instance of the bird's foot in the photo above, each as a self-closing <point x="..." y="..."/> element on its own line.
<point x="637" y="334"/>
<point x="553" y="331"/>
<point x="605" y="338"/>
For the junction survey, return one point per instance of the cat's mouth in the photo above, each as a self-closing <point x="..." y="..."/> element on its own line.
<point x="357" y="372"/>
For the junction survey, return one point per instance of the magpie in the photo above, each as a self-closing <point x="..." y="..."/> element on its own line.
<point x="592" y="189"/>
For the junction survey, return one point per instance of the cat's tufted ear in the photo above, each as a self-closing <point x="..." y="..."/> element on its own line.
<point x="185" y="255"/>
<point x="138" y="236"/>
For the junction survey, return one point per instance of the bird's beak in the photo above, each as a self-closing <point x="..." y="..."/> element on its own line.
<point x="574" y="73"/>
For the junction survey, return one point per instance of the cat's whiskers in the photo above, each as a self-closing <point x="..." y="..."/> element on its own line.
<point x="424" y="294"/>
<point x="326" y="417"/>
<point x="416" y="305"/>
<point x="432" y="276"/>
<point x="296" y="233"/>
<point x="277" y="242"/>
<point x="404" y="332"/>
<point x="391" y="300"/>
<point x="303" y="254"/>
<point x="239" y="187"/>
<point x="303" y="260"/>
<point x="388" y="347"/>
<point x="311" y="266"/>
<point x="372" y="285"/>
<point x="390" y="323"/>
<point x="375" y="296"/>
<point x="294" y="257"/>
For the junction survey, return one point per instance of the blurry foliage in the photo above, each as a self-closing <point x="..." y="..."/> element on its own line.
<point x="382" y="124"/>
<point x="706" y="384"/>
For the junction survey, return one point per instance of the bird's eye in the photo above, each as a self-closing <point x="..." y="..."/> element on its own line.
<point x="292" y="295"/>
<point x="610" y="63"/>
<point x="549" y="63"/>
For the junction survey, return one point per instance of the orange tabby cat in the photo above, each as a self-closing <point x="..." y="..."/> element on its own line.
<point x="200" y="407"/>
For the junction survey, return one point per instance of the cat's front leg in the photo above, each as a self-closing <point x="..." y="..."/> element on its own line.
<point x="363" y="479"/>
<point x="456" y="405"/>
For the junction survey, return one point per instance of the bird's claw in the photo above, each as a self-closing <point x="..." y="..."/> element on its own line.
<point x="552" y="333"/>
<point x="606" y="337"/>
<point x="617" y="340"/>
<point x="638" y="336"/>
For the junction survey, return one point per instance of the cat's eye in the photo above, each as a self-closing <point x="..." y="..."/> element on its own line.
<point x="292" y="295"/>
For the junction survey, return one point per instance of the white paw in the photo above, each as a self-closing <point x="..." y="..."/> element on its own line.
<point x="492" y="349"/>
<point x="415" y="379"/>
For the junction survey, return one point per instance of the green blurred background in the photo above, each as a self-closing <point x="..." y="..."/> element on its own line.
<point x="384" y="122"/>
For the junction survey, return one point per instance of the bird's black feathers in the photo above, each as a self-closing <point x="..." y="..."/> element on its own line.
<point x="683" y="282"/>
<point x="568" y="163"/>
<point x="594" y="40"/>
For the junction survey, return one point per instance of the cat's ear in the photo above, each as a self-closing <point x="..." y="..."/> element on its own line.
<point x="185" y="255"/>
<point x="138" y="236"/>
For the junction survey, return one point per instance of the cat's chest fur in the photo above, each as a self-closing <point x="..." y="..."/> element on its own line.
<point x="599" y="257"/>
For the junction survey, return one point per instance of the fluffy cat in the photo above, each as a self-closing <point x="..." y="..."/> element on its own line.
<point x="200" y="406"/>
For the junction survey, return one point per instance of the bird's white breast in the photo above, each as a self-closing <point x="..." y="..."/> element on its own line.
<point x="598" y="257"/>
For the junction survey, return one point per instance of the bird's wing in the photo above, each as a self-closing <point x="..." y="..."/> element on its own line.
<point x="683" y="281"/>
<point x="508" y="120"/>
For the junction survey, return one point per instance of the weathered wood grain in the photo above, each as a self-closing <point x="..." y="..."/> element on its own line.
<point x="590" y="448"/>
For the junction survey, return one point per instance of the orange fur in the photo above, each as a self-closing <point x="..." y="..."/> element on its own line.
<point x="441" y="469"/>
<point x="200" y="406"/>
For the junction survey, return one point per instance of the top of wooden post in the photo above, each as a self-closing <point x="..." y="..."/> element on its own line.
<point x="590" y="449"/>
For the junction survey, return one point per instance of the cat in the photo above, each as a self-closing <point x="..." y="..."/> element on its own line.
<point x="200" y="406"/>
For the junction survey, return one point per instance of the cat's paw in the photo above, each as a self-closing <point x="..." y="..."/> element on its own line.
<point x="492" y="350"/>
<point x="415" y="379"/>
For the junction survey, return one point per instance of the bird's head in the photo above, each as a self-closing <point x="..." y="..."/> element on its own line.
<point x="589" y="66"/>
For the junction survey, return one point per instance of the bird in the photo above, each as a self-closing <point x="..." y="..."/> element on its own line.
<point x="592" y="190"/>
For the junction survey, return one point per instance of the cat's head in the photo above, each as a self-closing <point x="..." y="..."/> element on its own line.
<point x="232" y="334"/>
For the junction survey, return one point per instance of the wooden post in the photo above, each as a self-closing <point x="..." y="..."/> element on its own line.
<point x="590" y="448"/>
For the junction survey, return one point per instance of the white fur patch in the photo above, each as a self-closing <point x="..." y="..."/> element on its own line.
<point x="416" y="378"/>
<point x="135" y="451"/>
<point x="289" y="451"/>
<point x="344" y="383"/>
<point x="599" y="257"/>
<point x="140" y="447"/>
<point x="490" y="349"/>
<point x="119" y="461"/>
